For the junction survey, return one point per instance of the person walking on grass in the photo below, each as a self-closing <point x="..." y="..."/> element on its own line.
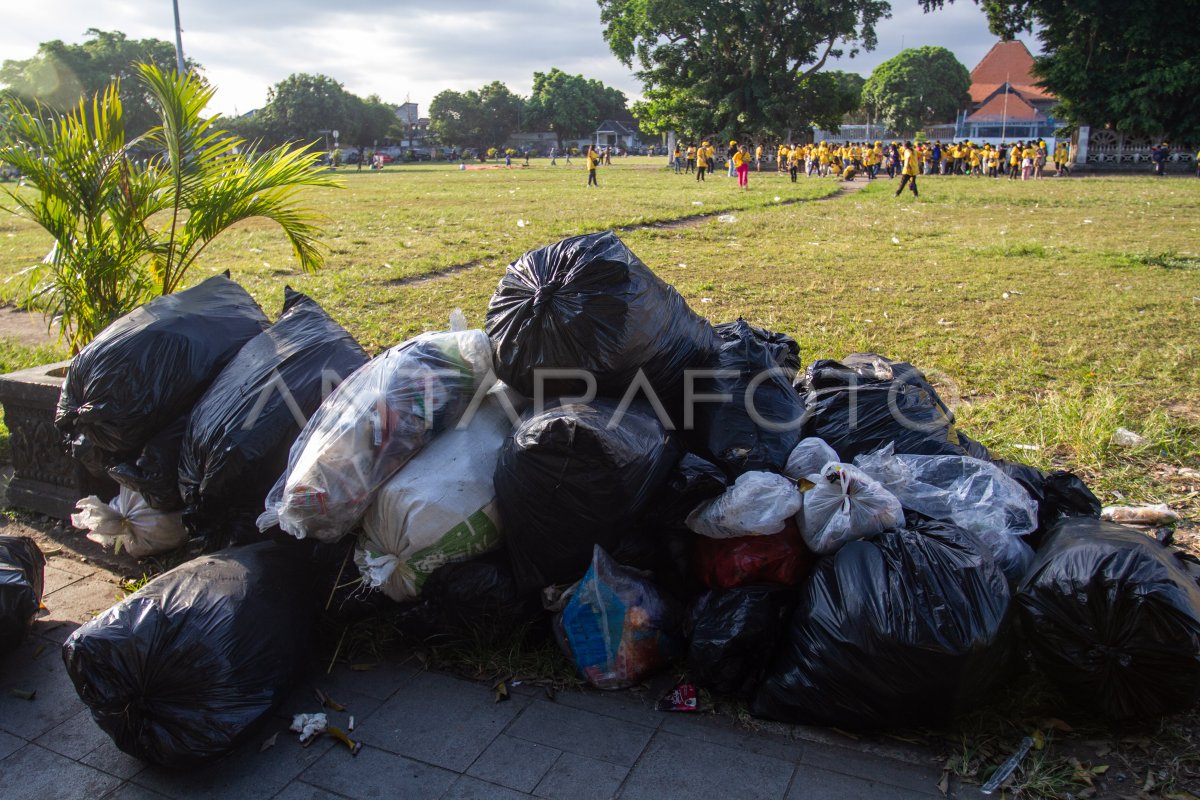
<point x="701" y="161"/>
<point x="593" y="160"/>
<point x="908" y="170"/>
<point x="741" y="164"/>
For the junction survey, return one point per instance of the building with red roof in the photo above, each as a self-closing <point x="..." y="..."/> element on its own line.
<point x="1006" y="102"/>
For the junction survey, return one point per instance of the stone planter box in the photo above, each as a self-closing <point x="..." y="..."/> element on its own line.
<point x="45" y="477"/>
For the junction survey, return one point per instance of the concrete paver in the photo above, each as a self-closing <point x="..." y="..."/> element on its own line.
<point x="582" y="732"/>
<point x="576" y="777"/>
<point x="377" y="773"/>
<point x="514" y="763"/>
<point x="678" y="766"/>
<point x="457" y="721"/>
<point x="35" y="773"/>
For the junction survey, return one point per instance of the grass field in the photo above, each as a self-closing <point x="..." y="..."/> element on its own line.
<point x="1054" y="311"/>
<point x="1049" y="313"/>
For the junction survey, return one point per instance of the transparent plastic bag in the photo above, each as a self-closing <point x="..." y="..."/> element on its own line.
<point x="809" y="458"/>
<point x="758" y="504"/>
<point x="373" y="423"/>
<point x="129" y="523"/>
<point x="846" y="504"/>
<point x="972" y="494"/>
<point x="617" y="626"/>
<point x="440" y="508"/>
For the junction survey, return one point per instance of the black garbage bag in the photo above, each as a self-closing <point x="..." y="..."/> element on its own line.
<point x="149" y="367"/>
<point x="576" y="476"/>
<point x="784" y="350"/>
<point x="865" y="401"/>
<point x="155" y="473"/>
<point x="735" y="438"/>
<point x="240" y="431"/>
<point x="1058" y="494"/>
<point x="588" y="303"/>
<point x="477" y="601"/>
<point x="1113" y="620"/>
<point x="22" y="576"/>
<point x="904" y="629"/>
<point x="733" y="633"/>
<point x="180" y="672"/>
<point x="691" y="482"/>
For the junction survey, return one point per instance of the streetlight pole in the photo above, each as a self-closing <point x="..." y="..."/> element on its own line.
<point x="178" y="40"/>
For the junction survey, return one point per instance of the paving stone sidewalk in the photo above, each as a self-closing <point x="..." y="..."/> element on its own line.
<point x="427" y="735"/>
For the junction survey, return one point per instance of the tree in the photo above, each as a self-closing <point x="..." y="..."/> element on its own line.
<point x="919" y="86"/>
<point x="477" y="118"/>
<point x="711" y="65"/>
<point x="60" y="75"/>
<point x="501" y="110"/>
<point x="127" y="227"/>
<point x="1131" y="65"/>
<point x="304" y="107"/>
<point x="377" y="122"/>
<point x="572" y="105"/>
<point x="455" y="118"/>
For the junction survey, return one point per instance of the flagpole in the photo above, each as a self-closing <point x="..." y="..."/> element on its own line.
<point x="1004" y="121"/>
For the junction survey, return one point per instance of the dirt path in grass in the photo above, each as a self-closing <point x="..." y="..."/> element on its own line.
<point x="690" y="221"/>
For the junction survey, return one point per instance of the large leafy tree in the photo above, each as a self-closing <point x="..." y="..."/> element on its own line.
<point x="917" y="87"/>
<point x="501" y="113"/>
<point x="455" y="118"/>
<point x="303" y="107"/>
<point x="712" y="65"/>
<point x="61" y="74"/>
<point x="476" y="118"/>
<point x="571" y="105"/>
<point x="1133" y="65"/>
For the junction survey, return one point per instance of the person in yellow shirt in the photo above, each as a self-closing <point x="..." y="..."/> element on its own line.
<point x="691" y="159"/>
<point x="1014" y="161"/>
<point x="1028" y="154"/>
<point x="908" y="169"/>
<point x="1060" y="158"/>
<point x="701" y="161"/>
<point x="677" y="159"/>
<point x="758" y="154"/>
<point x="741" y="165"/>
<point x="794" y="158"/>
<point x="593" y="160"/>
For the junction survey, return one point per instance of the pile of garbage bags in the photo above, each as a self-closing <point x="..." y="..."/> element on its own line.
<point x="603" y="466"/>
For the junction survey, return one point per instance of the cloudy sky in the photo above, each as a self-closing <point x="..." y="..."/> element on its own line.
<point x="412" y="50"/>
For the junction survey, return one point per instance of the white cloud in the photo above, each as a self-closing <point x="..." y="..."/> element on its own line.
<point x="413" y="51"/>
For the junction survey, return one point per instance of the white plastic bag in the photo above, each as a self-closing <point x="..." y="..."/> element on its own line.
<point x="372" y="424"/>
<point x="844" y="505"/>
<point x="758" y="504"/>
<point x="128" y="523"/>
<point x="440" y="508"/>
<point x="968" y="492"/>
<point x="809" y="457"/>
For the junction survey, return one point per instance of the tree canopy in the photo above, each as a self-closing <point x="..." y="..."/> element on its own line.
<point x="917" y="87"/>
<point x="61" y="74"/>
<point x="1134" y="65"/>
<point x="571" y="105"/>
<point x="478" y="118"/>
<point x="713" y="66"/>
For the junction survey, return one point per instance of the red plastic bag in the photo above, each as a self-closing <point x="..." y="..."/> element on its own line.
<point x="780" y="558"/>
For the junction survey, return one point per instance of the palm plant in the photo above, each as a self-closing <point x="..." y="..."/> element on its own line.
<point x="126" y="228"/>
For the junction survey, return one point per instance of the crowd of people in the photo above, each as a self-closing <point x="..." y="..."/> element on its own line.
<point x="1025" y="160"/>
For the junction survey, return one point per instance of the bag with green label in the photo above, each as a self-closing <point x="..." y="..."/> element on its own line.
<point x="440" y="508"/>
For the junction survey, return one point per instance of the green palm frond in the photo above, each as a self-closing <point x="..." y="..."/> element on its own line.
<point x="126" y="228"/>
